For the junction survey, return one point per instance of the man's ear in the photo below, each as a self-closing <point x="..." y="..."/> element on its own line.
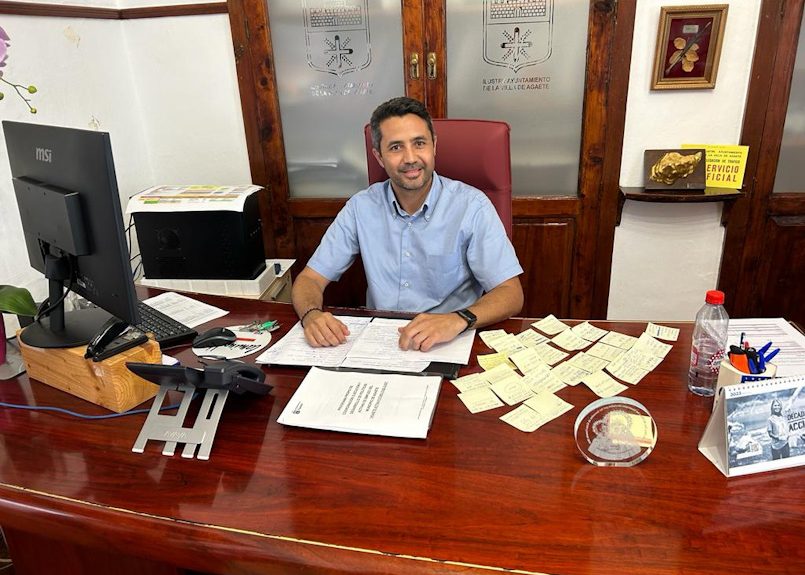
<point x="378" y="157"/>
<point x="434" y="145"/>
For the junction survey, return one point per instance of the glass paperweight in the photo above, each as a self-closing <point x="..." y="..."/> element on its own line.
<point x="615" y="432"/>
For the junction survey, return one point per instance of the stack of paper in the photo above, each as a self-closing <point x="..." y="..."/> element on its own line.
<point x="376" y="404"/>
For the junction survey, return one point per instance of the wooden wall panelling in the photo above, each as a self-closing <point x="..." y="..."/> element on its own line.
<point x="619" y="52"/>
<point x="545" y="248"/>
<point x="783" y="270"/>
<point x="436" y="43"/>
<point x="767" y="103"/>
<point x="261" y="115"/>
<point x="413" y="26"/>
<point x="67" y="11"/>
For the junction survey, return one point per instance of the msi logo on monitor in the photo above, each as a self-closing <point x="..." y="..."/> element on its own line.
<point x="44" y="155"/>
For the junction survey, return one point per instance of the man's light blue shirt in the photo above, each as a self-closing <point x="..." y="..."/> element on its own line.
<point x="441" y="259"/>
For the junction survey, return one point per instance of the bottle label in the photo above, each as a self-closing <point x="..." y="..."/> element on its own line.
<point x="713" y="363"/>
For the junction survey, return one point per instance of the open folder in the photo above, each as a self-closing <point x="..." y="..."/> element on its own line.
<point x="372" y="346"/>
<point x="395" y="405"/>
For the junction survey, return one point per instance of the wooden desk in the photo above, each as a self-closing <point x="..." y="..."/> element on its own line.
<point x="477" y="496"/>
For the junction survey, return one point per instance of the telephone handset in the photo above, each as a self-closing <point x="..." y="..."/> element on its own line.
<point x="108" y="333"/>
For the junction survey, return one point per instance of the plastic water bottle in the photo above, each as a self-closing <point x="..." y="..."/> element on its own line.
<point x="709" y="344"/>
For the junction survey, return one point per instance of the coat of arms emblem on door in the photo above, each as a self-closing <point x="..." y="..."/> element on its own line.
<point x="337" y="35"/>
<point x="517" y="33"/>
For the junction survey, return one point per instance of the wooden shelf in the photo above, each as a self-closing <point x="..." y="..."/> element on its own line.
<point x="727" y="195"/>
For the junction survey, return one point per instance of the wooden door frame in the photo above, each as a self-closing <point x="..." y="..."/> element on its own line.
<point x="764" y="121"/>
<point x="611" y="24"/>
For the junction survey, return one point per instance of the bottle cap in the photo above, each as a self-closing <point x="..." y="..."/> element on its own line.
<point x="714" y="297"/>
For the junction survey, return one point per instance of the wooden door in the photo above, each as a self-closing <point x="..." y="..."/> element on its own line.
<point x="564" y="242"/>
<point x="763" y="265"/>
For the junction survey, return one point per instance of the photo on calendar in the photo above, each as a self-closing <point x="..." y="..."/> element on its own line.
<point x="766" y="427"/>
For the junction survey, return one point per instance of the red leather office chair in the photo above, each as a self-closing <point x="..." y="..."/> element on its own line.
<point x="473" y="151"/>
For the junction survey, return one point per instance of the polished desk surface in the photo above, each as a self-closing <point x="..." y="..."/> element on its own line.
<point x="476" y="496"/>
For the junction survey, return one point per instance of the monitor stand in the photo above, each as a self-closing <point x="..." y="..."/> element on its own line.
<point x="64" y="329"/>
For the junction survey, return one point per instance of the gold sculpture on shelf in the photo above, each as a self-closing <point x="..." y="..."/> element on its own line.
<point x="673" y="165"/>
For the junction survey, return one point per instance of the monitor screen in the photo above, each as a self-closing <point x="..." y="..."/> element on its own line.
<point x="66" y="190"/>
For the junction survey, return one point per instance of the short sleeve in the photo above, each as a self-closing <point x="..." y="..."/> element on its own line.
<point x="490" y="254"/>
<point x="339" y="247"/>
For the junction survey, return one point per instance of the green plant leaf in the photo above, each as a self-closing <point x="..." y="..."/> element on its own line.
<point x="16" y="300"/>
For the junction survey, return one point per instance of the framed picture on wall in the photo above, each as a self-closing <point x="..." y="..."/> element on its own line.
<point x="688" y="46"/>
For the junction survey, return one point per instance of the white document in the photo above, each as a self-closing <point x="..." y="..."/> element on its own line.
<point x="183" y="309"/>
<point x="371" y="344"/>
<point x="371" y="403"/>
<point x="379" y="342"/>
<point x="191" y="199"/>
<point x="759" y="331"/>
<point x="293" y="349"/>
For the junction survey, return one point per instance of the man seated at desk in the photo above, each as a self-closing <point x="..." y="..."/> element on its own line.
<point x="429" y="244"/>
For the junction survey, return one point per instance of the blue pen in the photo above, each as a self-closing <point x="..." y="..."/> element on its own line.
<point x="764" y="349"/>
<point x="761" y="363"/>
<point x="770" y="357"/>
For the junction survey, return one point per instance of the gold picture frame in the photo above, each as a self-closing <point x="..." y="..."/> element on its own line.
<point x="688" y="49"/>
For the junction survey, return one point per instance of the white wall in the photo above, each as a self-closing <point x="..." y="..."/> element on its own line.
<point x="164" y="88"/>
<point x="667" y="255"/>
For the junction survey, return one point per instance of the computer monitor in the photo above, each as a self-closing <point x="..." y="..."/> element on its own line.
<point x="66" y="190"/>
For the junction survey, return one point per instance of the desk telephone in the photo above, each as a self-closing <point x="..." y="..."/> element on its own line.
<point x="112" y="339"/>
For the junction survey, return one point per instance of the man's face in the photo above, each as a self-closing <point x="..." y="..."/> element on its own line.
<point x="407" y="153"/>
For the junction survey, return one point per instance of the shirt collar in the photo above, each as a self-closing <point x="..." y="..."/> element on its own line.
<point x="427" y="206"/>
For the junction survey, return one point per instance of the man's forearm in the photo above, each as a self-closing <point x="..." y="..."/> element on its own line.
<point x="501" y="303"/>
<point x="306" y="295"/>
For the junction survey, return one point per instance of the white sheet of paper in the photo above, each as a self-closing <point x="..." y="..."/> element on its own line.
<point x="588" y="331"/>
<point x="550" y="354"/>
<point x="550" y="325"/>
<point x="569" y="374"/>
<point x="602" y="385"/>
<point x="293" y="349"/>
<point x="607" y="352"/>
<point x="531" y="338"/>
<point x="759" y="331"/>
<point x="651" y="346"/>
<point x="469" y="382"/>
<point x="481" y="399"/>
<point x="570" y="341"/>
<point x="379" y="341"/>
<point x="543" y="382"/>
<point x="512" y="391"/>
<point x="523" y="418"/>
<point x="375" y="404"/>
<point x="183" y="309"/>
<point x="620" y="340"/>
<point x="528" y="360"/>
<point x="662" y="332"/>
<point x="547" y="406"/>
<point x="588" y="362"/>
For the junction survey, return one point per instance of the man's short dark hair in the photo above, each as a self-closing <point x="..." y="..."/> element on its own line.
<point x="397" y="107"/>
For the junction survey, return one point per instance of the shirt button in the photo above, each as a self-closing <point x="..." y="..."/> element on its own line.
<point x="407" y="254"/>
<point x="410" y="224"/>
<point x="405" y="284"/>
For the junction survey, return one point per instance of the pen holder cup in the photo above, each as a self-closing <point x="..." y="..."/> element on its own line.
<point x="729" y="375"/>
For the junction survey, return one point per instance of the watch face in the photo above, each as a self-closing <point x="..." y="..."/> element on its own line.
<point x="468" y="316"/>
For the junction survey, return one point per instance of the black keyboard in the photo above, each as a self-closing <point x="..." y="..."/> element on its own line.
<point x="167" y="331"/>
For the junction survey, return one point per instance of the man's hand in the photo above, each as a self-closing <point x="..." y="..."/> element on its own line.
<point x="428" y="329"/>
<point x="322" y="329"/>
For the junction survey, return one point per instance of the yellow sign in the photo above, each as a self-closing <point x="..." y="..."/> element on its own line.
<point x="725" y="165"/>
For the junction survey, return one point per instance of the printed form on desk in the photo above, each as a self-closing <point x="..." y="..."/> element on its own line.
<point x="791" y="359"/>
<point x="371" y="344"/>
<point x="395" y="405"/>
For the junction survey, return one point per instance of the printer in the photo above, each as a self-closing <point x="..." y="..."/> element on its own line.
<point x="199" y="232"/>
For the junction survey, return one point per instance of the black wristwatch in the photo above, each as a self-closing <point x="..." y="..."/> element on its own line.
<point x="469" y="317"/>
